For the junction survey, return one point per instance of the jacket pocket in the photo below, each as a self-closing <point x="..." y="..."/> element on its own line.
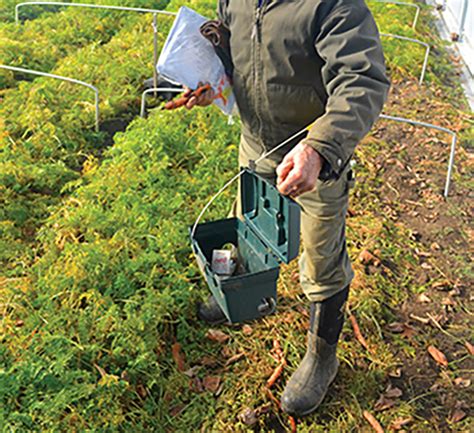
<point x="292" y="104"/>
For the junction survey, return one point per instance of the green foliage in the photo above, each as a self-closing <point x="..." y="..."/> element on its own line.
<point x="7" y="7"/>
<point x="51" y="115"/>
<point x="405" y="59"/>
<point x="49" y="123"/>
<point x="117" y="267"/>
<point x="205" y="7"/>
<point x="40" y="43"/>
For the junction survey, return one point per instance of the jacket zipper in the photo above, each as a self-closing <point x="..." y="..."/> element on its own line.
<point x="256" y="41"/>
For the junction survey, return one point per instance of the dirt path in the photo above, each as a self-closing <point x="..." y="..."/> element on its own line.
<point x="411" y="296"/>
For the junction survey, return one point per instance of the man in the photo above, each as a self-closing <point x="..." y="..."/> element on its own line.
<point x="296" y="62"/>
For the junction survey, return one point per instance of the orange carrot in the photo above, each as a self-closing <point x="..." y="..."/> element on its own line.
<point x="360" y="338"/>
<point x="293" y="425"/>
<point x="275" y="375"/>
<point x="272" y="397"/>
<point x="183" y="100"/>
<point x="373" y="422"/>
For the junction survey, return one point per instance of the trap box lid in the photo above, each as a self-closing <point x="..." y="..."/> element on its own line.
<point x="274" y="218"/>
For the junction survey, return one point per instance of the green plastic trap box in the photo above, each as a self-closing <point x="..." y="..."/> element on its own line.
<point x="268" y="235"/>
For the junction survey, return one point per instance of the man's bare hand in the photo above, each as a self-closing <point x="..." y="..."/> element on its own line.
<point x="299" y="171"/>
<point x="203" y="100"/>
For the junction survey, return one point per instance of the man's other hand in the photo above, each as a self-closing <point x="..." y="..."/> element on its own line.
<point x="206" y="98"/>
<point x="299" y="171"/>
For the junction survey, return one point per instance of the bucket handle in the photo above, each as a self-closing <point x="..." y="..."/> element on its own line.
<point x="237" y="176"/>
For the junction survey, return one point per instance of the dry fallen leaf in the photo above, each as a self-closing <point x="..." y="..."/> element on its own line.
<point x="373" y="422"/>
<point x="469" y="347"/>
<point x="393" y="392"/>
<point x="384" y="403"/>
<point x="235" y="358"/>
<point x="397" y="373"/>
<point x="176" y="410"/>
<point x="211" y="383"/>
<point x="247" y="329"/>
<point x="449" y="302"/>
<point x="408" y="332"/>
<point x="423" y="298"/>
<point x="461" y="404"/>
<point x="438" y="356"/>
<point x="217" y="336"/>
<point x="462" y="383"/>
<point x="386" y="400"/>
<point x="227" y="352"/>
<point x="457" y="415"/>
<point x="248" y="416"/>
<point x="367" y="258"/>
<point x="454" y="292"/>
<point x="192" y="372"/>
<point x="396" y="327"/>
<point x="435" y="387"/>
<point x="209" y="361"/>
<point x="358" y="334"/>
<point x="399" y="423"/>
<point x="195" y="385"/>
<point x="141" y="391"/>
<point x="178" y="357"/>
<point x="441" y="285"/>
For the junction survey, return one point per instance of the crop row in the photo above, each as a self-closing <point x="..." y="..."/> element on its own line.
<point x="42" y="42"/>
<point x="46" y="135"/>
<point x="7" y="7"/>
<point x="122" y="276"/>
<point x="116" y="267"/>
<point x="47" y="125"/>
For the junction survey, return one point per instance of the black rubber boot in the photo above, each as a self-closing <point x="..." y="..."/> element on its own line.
<point x="310" y="382"/>
<point x="210" y="312"/>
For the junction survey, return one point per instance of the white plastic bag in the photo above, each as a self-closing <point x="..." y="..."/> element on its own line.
<point x="188" y="59"/>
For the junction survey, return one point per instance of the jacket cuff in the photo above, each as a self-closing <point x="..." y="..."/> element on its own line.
<point x="333" y="164"/>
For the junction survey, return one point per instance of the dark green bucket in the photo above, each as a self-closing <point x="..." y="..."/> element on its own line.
<point x="268" y="234"/>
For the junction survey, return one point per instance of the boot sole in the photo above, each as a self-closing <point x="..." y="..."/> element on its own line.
<point x="312" y="409"/>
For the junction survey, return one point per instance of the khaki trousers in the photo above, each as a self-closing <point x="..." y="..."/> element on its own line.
<point x="325" y="267"/>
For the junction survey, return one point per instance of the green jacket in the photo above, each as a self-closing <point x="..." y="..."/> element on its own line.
<point x="296" y="61"/>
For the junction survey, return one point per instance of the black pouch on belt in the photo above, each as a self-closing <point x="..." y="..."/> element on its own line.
<point x="219" y="35"/>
